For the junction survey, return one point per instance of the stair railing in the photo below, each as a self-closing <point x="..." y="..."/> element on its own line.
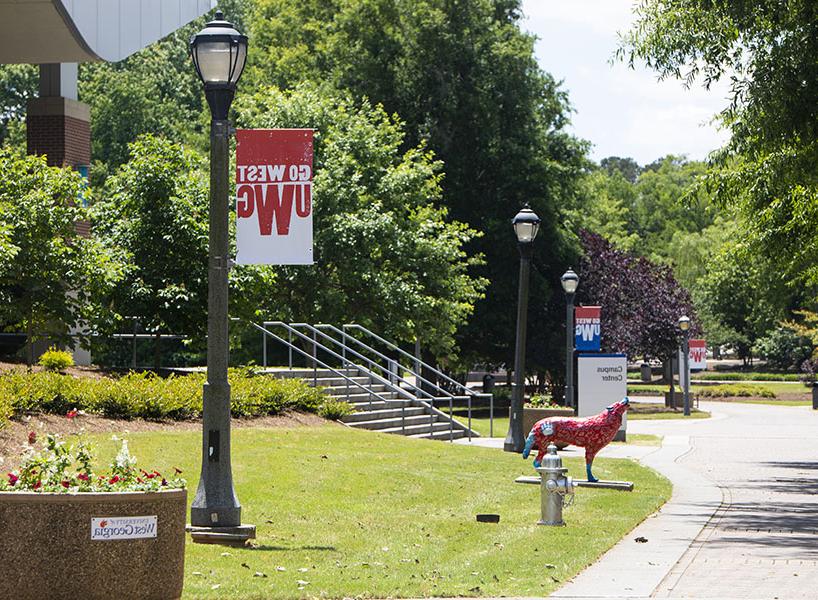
<point x="419" y="365"/>
<point x="444" y="394"/>
<point x="340" y="374"/>
<point x="313" y="342"/>
<point x="346" y="350"/>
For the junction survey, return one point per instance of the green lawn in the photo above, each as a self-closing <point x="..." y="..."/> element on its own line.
<point x="642" y="439"/>
<point x="480" y="420"/>
<point x="348" y="513"/>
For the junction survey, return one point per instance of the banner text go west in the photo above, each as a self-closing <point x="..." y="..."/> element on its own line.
<point x="274" y="196"/>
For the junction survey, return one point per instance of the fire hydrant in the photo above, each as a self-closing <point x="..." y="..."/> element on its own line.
<point x="556" y="489"/>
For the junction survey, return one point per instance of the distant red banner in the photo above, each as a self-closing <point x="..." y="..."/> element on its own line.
<point x="698" y="354"/>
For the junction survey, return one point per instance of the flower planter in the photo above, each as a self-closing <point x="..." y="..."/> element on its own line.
<point x="48" y="548"/>
<point x="532" y="415"/>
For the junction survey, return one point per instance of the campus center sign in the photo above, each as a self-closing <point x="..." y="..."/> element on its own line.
<point x="587" y="331"/>
<point x="274" y="196"/>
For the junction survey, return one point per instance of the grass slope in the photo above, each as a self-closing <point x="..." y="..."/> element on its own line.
<point x="349" y="513"/>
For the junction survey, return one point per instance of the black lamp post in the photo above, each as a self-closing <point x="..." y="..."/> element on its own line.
<point x="219" y="53"/>
<point x="684" y="325"/>
<point x="526" y="224"/>
<point x="569" y="281"/>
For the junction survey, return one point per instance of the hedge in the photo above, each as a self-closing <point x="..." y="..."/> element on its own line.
<point x="148" y="396"/>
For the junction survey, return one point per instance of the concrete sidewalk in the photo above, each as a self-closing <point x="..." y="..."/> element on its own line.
<point x="743" y="519"/>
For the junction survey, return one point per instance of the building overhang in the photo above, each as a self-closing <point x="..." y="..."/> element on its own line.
<point x="67" y="31"/>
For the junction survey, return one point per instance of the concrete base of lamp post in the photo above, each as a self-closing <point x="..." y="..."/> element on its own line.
<point x="226" y="536"/>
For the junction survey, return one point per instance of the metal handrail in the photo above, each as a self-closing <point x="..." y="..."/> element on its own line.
<point x="361" y="369"/>
<point x="369" y="392"/>
<point x="445" y="393"/>
<point x="315" y="331"/>
<point x="417" y="376"/>
<point x="437" y="372"/>
<point x="414" y="359"/>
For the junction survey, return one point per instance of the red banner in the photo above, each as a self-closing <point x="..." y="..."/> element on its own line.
<point x="274" y="196"/>
<point x="698" y="354"/>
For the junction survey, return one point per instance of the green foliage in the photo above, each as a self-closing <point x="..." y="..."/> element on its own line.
<point x="736" y="391"/>
<point x="58" y="277"/>
<point x="745" y="376"/>
<point x="769" y="52"/>
<point x="463" y="78"/>
<point x="334" y="409"/>
<point x="388" y="257"/>
<point x="56" y="360"/>
<point x="147" y="396"/>
<point x="784" y="349"/>
<point x="18" y="84"/>
<point x="155" y="213"/>
<point x="542" y="401"/>
<point x="59" y="467"/>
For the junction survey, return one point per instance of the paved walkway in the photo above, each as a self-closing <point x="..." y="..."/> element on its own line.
<point x="743" y="519"/>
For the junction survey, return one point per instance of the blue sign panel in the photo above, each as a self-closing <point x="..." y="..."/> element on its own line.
<point x="587" y="331"/>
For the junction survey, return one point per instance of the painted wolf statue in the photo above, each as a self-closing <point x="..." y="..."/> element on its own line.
<point x="592" y="433"/>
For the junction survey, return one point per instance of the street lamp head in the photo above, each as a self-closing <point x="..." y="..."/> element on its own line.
<point x="684" y="323"/>
<point x="219" y="53"/>
<point x="570" y="281"/>
<point x="526" y="224"/>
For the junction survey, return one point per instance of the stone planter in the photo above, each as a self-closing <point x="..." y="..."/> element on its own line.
<point x="532" y="415"/>
<point x="48" y="550"/>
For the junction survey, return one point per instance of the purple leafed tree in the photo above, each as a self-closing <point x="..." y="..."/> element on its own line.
<point x="641" y="301"/>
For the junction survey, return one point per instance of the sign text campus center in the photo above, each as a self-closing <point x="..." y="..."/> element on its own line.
<point x="610" y="373"/>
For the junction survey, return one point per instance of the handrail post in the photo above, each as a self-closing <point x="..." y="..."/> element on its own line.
<point x="290" y="347"/>
<point x="314" y="360"/>
<point x="491" y="415"/>
<point x="469" y="400"/>
<point x="451" y="420"/>
<point x="264" y="349"/>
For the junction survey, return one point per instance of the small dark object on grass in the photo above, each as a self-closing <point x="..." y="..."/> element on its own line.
<point x="488" y="518"/>
<point x="641" y="540"/>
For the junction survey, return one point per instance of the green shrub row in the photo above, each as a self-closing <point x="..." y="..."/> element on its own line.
<point x="148" y="396"/>
<point x="746" y="376"/>
<point x="736" y="391"/>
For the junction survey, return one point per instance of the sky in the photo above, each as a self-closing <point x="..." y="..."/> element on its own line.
<point x="622" y="111"/>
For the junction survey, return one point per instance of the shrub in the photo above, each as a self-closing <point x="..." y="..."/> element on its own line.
<point x="736" y="391"/>
<point x="56" y="360"/>
<point x="542" y="401"/>
<point x="148" y="396"/>
<point x="334" y="409"/>
<point x="783" y="349"/>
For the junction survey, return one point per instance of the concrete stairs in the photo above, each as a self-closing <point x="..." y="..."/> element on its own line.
<point x="378" y="408"/>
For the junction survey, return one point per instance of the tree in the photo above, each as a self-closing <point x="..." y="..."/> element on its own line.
<point x="387" y="256"/>
<point x="56" y="278"/>
<point x="155" y="212"/>
<point x="769" y="52"/>
<point x="463" y="78"/>
<point x="18" y="84"/>
<point x="627" y="167"/>
<point x="641" y="301"/>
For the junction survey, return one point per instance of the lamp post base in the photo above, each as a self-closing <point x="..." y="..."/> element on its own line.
<point x="227" y="536"/>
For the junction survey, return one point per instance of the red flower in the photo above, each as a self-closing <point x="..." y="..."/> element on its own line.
<point x="139" y="480"/>
<point x="12" y="479"/>
<point x="32" y="437"/>
<point x="65" y="483"/>
<point x="71" y="414"/>
<point x="83" y="476"/>
<point x="150" y="475"/>
<point x="114" y="479"/>
<point x="37" y="485"/>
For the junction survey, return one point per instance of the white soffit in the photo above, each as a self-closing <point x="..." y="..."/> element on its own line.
<point x="58" y="31"/>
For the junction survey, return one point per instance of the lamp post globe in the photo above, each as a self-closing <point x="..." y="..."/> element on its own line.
<point x="570" y="282"/>
<point x="684" y="325"/>
<point x="219" y="53"/>
<point x="526" y="224"/>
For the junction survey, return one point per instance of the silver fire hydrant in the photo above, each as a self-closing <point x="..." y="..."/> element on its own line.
<point x="556" y="489"/>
